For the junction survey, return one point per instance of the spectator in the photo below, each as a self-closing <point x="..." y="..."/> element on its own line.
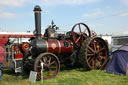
<point x="1" y="60"/>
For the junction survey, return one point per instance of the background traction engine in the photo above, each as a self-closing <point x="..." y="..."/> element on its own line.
<point x="76" y="47"/>
<point x="14" y="55"/>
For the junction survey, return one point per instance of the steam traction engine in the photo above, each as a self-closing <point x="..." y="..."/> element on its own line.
<point x="76" y="47"/>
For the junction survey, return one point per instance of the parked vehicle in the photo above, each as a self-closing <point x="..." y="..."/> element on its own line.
<point x="118" y="41"/>
<point x="76" y="47"/>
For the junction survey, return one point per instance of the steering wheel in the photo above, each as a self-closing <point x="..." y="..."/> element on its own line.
<point x="80" y="32"/>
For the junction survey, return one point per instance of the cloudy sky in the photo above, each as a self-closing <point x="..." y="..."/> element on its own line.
<point x="102" y="16"/>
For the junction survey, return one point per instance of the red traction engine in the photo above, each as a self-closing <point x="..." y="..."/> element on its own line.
<point x="76" y="47"/>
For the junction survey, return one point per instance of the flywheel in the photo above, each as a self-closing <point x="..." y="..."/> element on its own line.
<point x="80" y="32"/>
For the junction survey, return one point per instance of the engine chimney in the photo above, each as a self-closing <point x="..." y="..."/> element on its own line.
<point x="37" y="11"/>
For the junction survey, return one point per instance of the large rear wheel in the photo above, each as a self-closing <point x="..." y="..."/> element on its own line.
<point x="94" y="53"/>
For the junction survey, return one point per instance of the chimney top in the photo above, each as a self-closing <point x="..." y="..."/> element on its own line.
<point x="37" y="8"/>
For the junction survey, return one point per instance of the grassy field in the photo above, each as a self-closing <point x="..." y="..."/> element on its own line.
<point x="69" y="77"/>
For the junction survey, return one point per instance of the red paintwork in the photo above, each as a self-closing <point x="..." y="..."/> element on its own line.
<point x="66" y="49"/>
<point x="4" y="37"/>
<point x="3" y="41"/>
<point x="16" y="48"/>
<point x="1" y="54"/>
<point x="57" y="46"/>
<point x="19" y="55"/>
<point x="50" y="47"/>
<point x="16" y="36"/>
<point x="17" y="52"/>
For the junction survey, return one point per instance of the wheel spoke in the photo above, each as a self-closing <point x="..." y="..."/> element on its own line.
<point x="53" y="66"/>
<point x="94" y="63"/>
<point x="45" y="59"/>
<point x="77" y="39"/>
<point x="41" y="61"/>
<point x="38" y="66"/>
<point x="91" y="60"/>
<point x="101" y="53"/>
<point x="102" y="57"/>
<point x="75" y="33"/>
<point x="52" y="62"/>
<point x="91" y="49"/>
<point x="79" y="28"/>
<point x="98" y="46"/>
<point x="99" y="59"/>
<point x="39" y="72"/>
<point x="85" y="36"/>
<point x="84" y="30"/>
<point x="94" y="46"/>
<point x="49" y="60"/>
<point x="88" y="58"/>
<point x="98" y="63"/>
<point x="101" y="49"/>
<point x="90" y="54"/>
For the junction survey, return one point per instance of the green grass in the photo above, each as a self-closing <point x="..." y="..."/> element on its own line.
<point x="69" y="77"/>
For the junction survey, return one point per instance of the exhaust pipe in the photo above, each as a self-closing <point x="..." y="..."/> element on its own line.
<point x="37" y="11"/>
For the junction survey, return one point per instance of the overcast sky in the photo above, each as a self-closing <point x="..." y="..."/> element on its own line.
<point x="102" y="16"/>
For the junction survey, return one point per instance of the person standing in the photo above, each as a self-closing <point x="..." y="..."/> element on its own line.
<point x="1" y="60"/>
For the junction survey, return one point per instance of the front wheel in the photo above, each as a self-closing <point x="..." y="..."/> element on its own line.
<point x="51" y="66"/>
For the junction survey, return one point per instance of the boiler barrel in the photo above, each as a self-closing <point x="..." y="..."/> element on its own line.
<point x="59" y="46"/>
<point x="54" y="46"/>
